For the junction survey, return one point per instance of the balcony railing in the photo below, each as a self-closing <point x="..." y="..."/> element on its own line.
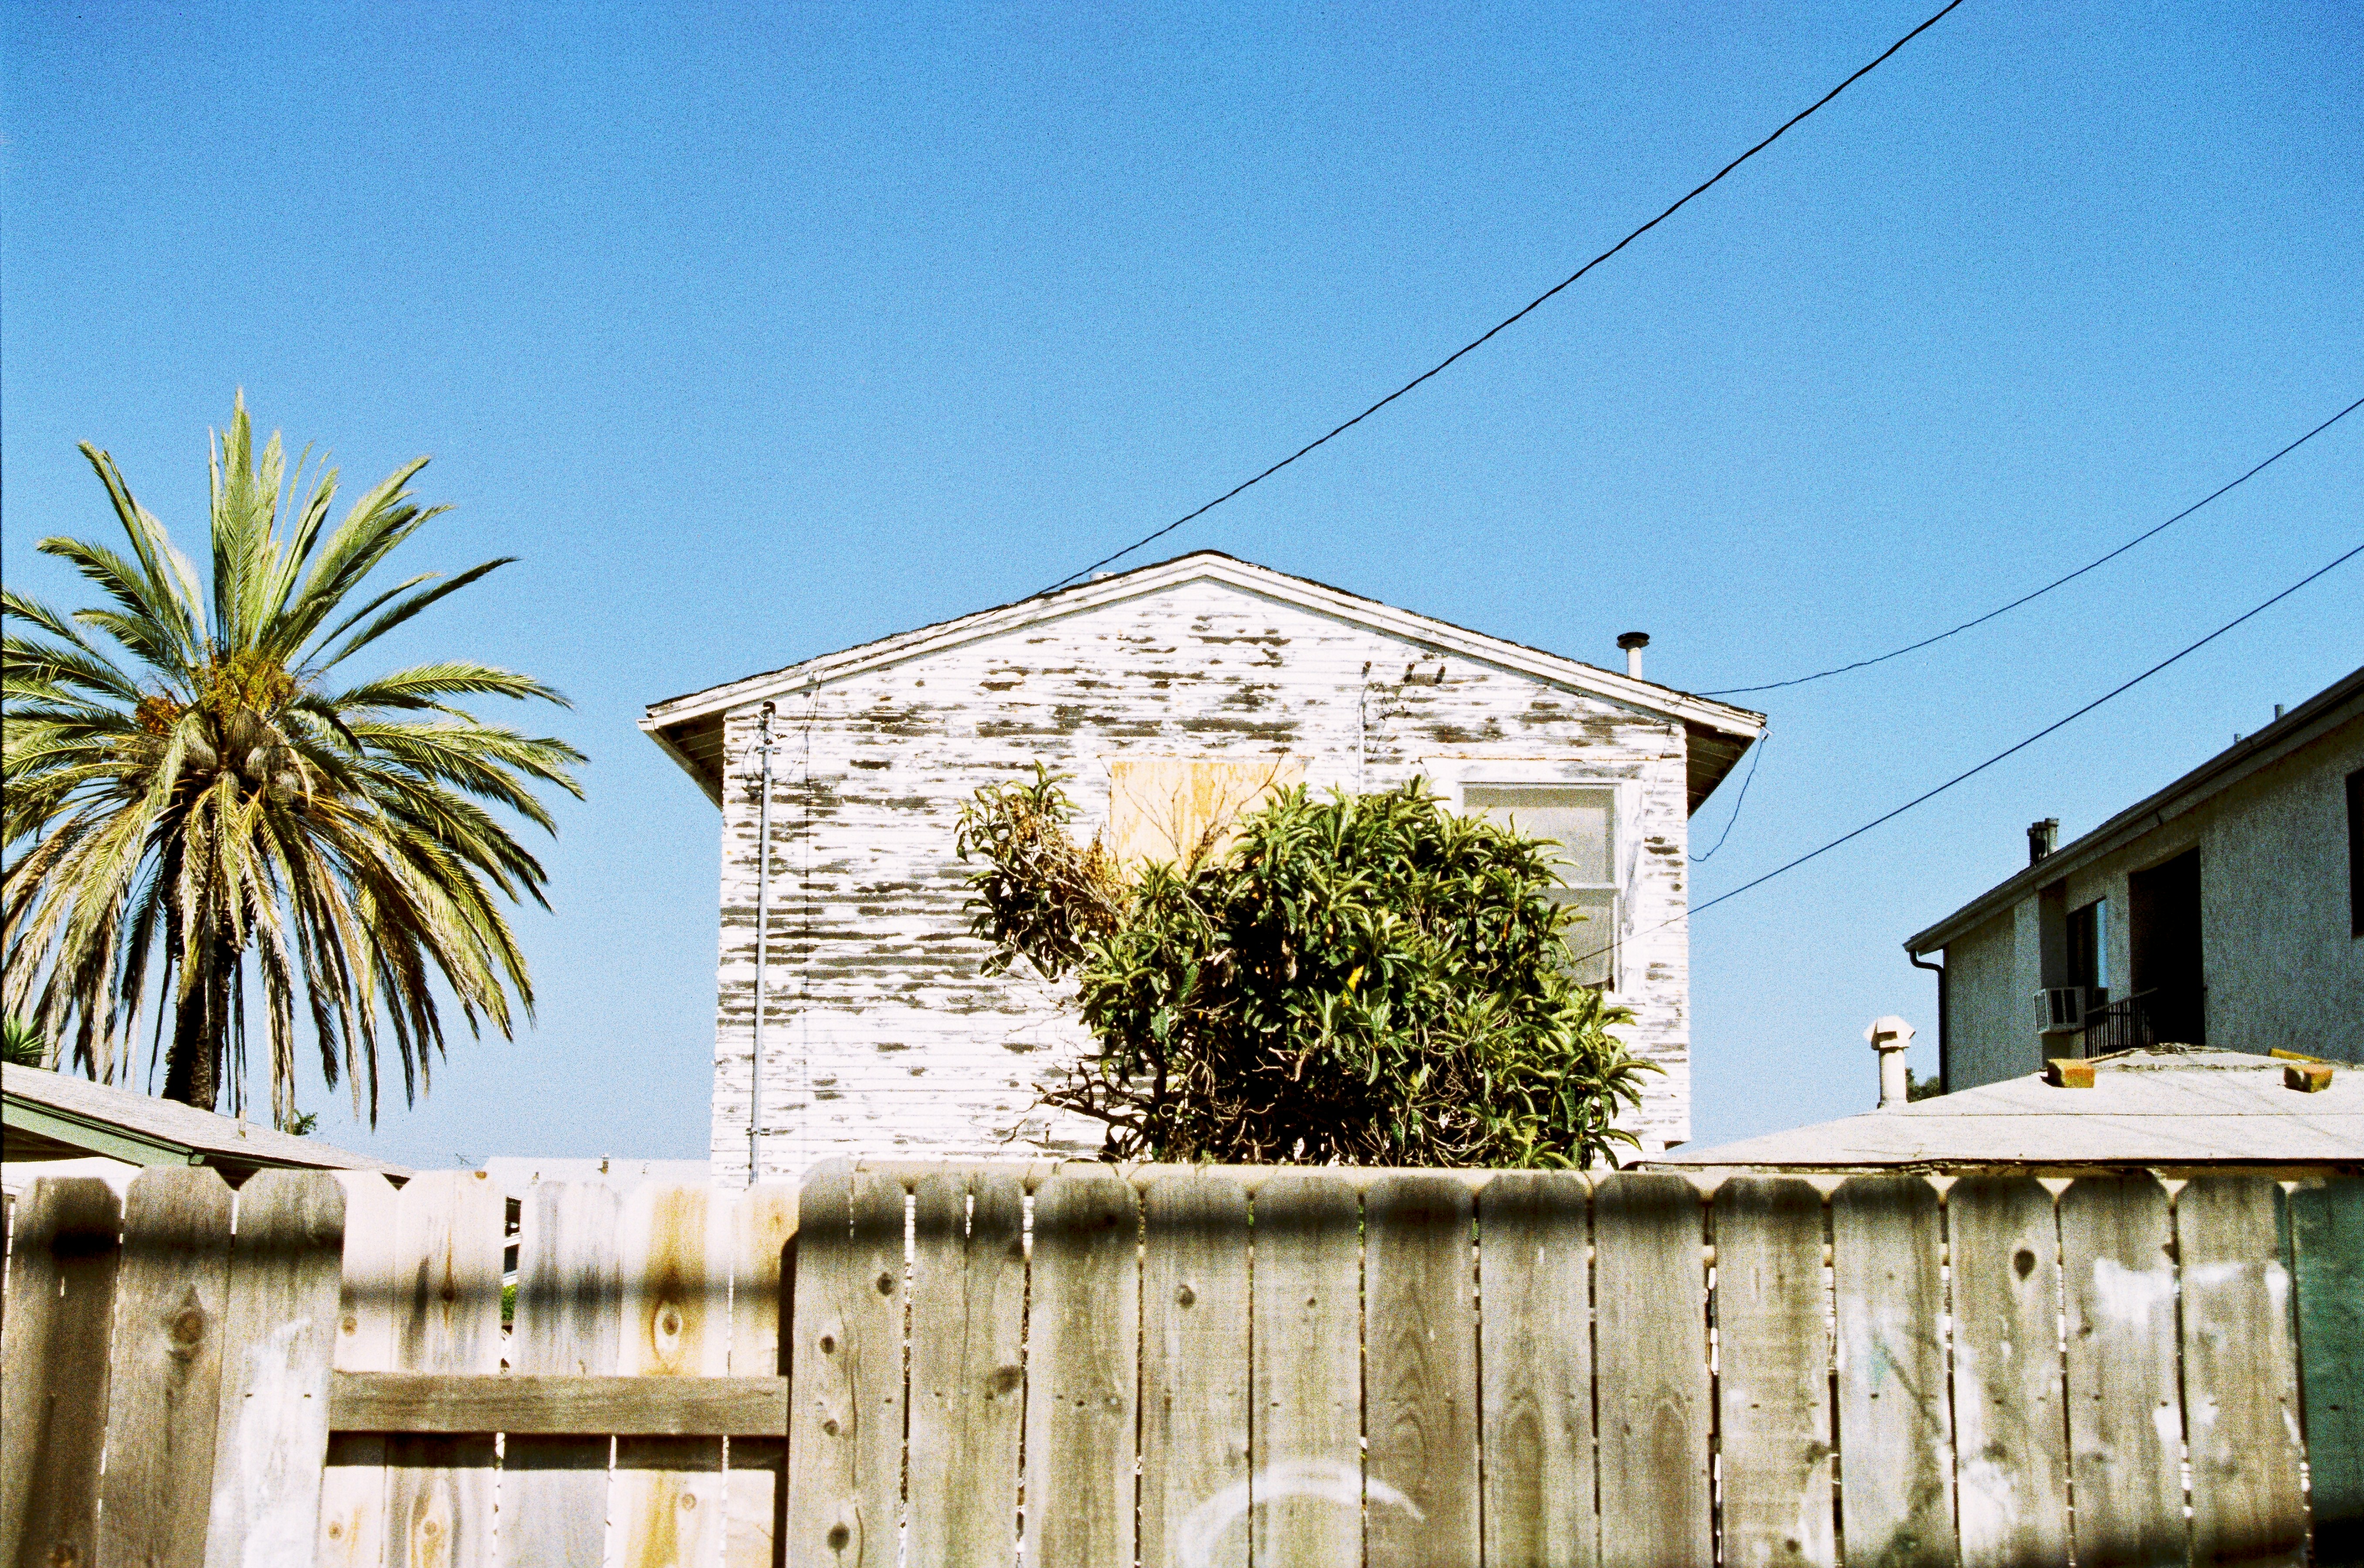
<point x="2163" y="1016"/>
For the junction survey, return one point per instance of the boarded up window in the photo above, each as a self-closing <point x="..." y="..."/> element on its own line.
<point x="1582" y="820"/>
<point x="1178" y="808"/>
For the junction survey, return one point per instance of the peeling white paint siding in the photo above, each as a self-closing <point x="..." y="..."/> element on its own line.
<point x="882" y="1036"/>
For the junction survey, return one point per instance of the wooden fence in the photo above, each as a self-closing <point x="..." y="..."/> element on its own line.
<point x="1082" y="1365"/>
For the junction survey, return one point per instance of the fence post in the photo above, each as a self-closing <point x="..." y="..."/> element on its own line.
<point x="1082" y="1371"/>
<point x="1534" y="1310"/>
<point x="53" y="1386"/>
<point x="1897" y="1496"/>
<point x="1773" y="1419"/>
<point x="280" y="1333"/>
<point x="2327" y="1235"/>
<point x="164" y="1383"/>
<point x="1657" y="1412"/>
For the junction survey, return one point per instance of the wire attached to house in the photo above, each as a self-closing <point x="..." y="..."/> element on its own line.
<point x="1764" y="739"/>
<point x="1516" y="316"/>
<point x="2056" y="582"/>
<point x="2007" y="751"/>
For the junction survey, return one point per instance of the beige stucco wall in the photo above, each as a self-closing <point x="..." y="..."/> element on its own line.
<point x="2281" y="968"/>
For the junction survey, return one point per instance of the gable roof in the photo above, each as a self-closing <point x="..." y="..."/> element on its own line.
<point x="689" y="728"/>
<point x="55" y="1116"/>
<point x="2336" y="704"/>
<point x="2146" y="1107"/>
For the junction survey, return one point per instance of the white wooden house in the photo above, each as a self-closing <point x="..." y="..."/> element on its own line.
<point x="1167" y="694"/>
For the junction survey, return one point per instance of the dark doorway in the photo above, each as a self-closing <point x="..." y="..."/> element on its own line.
<point x="2163" y="934"/>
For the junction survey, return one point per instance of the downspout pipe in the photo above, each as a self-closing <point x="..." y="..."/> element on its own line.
<point x="1944" y="1065"/>
<point x="762" y="946"/>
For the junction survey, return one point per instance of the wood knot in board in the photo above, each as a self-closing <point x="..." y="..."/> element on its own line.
<point x="1185" y="1297"/>
<point x="838" y="1536"/>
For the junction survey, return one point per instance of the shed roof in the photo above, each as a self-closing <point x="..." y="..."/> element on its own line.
<point x="2337" y="705"/>
<point x="689" y="728"/>
<point x="2156" y="1106"/>
<point x="55" y="1115"/>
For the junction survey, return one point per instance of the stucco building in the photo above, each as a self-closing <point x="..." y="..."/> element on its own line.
<point x="2226" y="910"/>
<point x="1167" y="694"/>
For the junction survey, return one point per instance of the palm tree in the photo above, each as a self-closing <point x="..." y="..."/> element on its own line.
<point x="208" y="791"/>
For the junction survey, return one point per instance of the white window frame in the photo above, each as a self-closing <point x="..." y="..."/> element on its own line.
<point x="1452" y="776"/>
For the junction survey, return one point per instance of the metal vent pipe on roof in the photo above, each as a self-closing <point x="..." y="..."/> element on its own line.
<point x="2043" y="837"/>
<point x="1632" y="642"/>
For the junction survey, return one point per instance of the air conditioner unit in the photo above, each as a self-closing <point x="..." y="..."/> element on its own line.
<point x="2063" y="1008"/>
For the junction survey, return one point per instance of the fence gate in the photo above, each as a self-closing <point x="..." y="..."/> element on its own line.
<point x="1088" y="1365"/>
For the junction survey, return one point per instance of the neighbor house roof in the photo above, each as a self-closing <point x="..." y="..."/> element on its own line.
<point x="690" y="728"/>
<point x="53" y="1115"/>
<point x="2312" y="719"/>
<point x="2154" y="1107"/>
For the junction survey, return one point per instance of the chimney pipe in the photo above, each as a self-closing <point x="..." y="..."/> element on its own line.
<point x="2043" y="837"/>
<point x="1632" y="642"/>
<point x="1890" y="1037"/>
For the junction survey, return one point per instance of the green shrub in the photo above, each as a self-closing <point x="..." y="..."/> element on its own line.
<point x="1351" y="979"/>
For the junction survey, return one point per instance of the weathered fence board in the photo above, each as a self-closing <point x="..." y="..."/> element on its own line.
<point x="2240" y="1397"/>
<point x="1889" y="1294"/>
<point x="553" y="1489"/>
<point x="1200" y="1368"/>
<point x="969" y="1280"/>
<point x="1194" y="1371"/>
<point x="440" y="1489"/>
<point x="1650" y="1317"/>
<point x="1534" y="1294"/>
<point x="1420" y="1375"/>
<point x="845" y="1419"/>
<point x="1307" y="1475"/>
<point x="2327" y="1241"/>
<point x="164" y="1385"/>
<point x="2125" y="1424"/>
<point x="54" y="1384"/>
<point x="2011" y="1483"/>
<point x="1773" y="1374"/>
<point x="665" y="1500"/>
<point x="281" y="1326"/>
<point x="353" y="1482"/>
<point x="1084" y="1329"/>
<point x="764" y="1226"/>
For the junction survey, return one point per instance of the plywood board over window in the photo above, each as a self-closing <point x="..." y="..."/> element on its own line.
<point x="1178" y="808"/>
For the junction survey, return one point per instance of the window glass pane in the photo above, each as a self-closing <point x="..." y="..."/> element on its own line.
<point x="1592" y="940"/>
<point x="1580" y="818"/>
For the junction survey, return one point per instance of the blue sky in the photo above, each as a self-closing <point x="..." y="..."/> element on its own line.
<point x="760" y="331"/>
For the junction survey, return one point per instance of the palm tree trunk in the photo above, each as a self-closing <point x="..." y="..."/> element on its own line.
<point x="201" y="1032"/>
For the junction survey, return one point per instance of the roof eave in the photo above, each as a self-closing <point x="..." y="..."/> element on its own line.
<point x="2294" y="730"/>
<point x="656" y="731"/>
<point x="1722" y="718"/>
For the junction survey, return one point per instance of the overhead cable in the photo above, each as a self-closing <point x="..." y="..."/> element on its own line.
<point x="2056" y="582"/>
<point x="1514" y="316"/>
<point x="1764" y="739"/>
<point x="2008" y="751"/>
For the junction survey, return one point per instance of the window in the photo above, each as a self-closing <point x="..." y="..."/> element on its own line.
<point x="2356" y="853"/>
<point x="2089" y="949"/>
<point x="1582" y="819"/>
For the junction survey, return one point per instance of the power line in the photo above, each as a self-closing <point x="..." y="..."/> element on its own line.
<point x="2008" y="751"/>
<point x="1764" y="739"/>
<point x="2025" y="599"/>
<point x="1516" y="316"/>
